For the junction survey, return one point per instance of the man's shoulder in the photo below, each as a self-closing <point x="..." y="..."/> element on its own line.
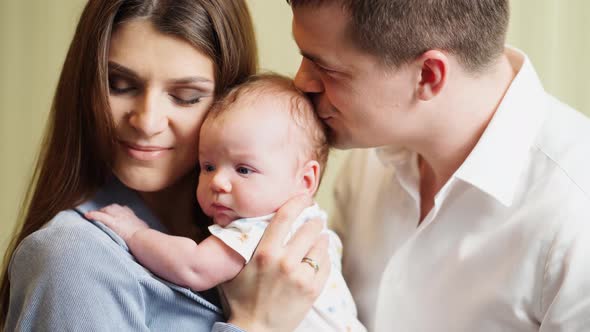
<point x="563" y="127"/>
<point x="564" y="146"/>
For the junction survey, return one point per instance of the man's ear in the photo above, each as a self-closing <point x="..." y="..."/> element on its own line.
<point x="310" y="177"/>
<point x="434" y="71"/>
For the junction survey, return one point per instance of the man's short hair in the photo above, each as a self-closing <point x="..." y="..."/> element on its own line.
<point x="297" y="103"/>
<point x="399" y="31"/>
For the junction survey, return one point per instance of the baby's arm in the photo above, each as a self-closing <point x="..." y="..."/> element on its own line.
<point x="183" y="262"/>
<point x="177" y="259"/>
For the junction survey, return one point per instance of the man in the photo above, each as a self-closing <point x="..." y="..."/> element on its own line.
<point x="467" y="208"/>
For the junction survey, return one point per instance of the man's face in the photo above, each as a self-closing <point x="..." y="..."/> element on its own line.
<point x="364" y="103"/>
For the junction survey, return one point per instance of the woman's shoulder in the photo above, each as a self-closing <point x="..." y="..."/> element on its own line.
<point x="73" y="268"/>
<point x="67" y="230"/>
<point x="69" y="244"/>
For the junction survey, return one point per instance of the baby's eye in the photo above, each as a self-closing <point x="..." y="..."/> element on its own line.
<point x="243" y="170"/>
<point x="208" y="168"/>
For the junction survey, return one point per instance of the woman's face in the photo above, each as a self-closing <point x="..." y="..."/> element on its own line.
<point x="161" y="87"/>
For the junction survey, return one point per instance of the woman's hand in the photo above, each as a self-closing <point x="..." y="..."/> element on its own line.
<point x="120" y="219"/>
<point x="276" y="289"/>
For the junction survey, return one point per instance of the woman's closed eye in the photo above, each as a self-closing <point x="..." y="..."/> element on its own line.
<point x="187" y="96"/>
<point x="119" y="85"/>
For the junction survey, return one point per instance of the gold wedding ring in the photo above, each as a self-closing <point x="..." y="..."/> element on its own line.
<point x="311" y="262"/>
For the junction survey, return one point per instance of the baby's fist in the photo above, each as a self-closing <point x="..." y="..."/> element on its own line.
<point x="120" y="219"/>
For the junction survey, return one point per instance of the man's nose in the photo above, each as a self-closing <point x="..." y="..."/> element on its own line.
<point x="307" y="78"/>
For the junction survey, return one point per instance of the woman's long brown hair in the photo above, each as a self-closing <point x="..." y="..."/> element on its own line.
<point x="75" y="156"/>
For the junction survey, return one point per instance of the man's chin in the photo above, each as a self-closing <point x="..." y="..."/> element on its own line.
<point x="340" y="142"/>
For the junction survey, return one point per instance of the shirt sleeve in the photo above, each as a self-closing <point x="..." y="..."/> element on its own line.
<point x="565" y="298"/>
<point x="69" y="279"/>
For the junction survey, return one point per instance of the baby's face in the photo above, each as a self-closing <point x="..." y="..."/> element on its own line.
<point x="249" y="161"/>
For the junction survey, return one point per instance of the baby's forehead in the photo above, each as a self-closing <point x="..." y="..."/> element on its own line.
<point x="263" y="101"/>
<point x="272" y="117"/>
<point x="269" y="109"/>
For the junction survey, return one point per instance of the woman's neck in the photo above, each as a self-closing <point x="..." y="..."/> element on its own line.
<point x="177" y="209"/>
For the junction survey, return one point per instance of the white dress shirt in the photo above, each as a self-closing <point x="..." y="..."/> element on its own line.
<point x="504" y="247"/>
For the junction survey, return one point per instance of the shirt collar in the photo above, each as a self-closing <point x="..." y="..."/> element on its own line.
<point x="500" y="156"/>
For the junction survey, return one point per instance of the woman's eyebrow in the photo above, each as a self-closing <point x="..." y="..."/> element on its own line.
<point x="190" y="79"/>
<point x="118" y="68"/>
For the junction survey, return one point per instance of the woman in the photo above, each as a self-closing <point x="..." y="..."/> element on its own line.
<point x="137" y="81"/>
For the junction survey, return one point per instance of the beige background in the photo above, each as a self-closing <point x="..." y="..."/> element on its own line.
<point x="34" y="35"/>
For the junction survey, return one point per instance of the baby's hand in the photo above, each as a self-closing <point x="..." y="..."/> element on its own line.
<point x="120" y="219"/>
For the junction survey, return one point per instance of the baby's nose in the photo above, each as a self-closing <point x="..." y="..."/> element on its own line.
<point x="221" y="183"/>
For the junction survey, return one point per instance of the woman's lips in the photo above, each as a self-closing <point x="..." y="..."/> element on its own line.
<point x="144" y="152"/>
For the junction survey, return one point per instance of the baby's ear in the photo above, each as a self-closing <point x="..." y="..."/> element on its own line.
<point x="310" y="177"/>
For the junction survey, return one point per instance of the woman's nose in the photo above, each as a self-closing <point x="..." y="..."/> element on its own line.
<point x="307" y="78"/>
<point x="148" y="117"/>
<point x="220" y="183"/>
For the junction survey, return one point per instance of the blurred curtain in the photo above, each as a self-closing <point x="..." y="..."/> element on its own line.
<point x="34" y="36"/>
<point x="556" y="36"/>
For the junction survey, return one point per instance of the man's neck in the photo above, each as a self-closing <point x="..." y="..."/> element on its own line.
<point x="456" y="126"/>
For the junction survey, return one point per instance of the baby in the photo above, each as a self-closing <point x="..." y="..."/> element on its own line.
<point x="260" y="145"/>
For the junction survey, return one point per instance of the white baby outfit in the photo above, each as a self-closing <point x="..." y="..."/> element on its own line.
<point x="334" y="310"/>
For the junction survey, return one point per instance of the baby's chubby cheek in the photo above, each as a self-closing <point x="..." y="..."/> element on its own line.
<point x="203" y="199"/>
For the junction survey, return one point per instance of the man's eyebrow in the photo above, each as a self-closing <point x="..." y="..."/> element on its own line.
<point x="314" y="58"/>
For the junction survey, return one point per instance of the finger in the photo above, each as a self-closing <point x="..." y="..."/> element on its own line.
<point x="127" y="209"/>
<point x="281" y="223"/>
<point x="318" y="254"/>
<point x="303" y="240"/>
<point x="110" y="209"/>
<point x="100" y="216"/>
<point x="113" y="209"/>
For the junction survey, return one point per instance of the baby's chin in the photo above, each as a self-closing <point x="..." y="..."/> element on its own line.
<point x="223" y="220"/>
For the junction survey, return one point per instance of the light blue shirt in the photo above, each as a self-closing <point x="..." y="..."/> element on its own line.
<point x="78" y="275"/>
